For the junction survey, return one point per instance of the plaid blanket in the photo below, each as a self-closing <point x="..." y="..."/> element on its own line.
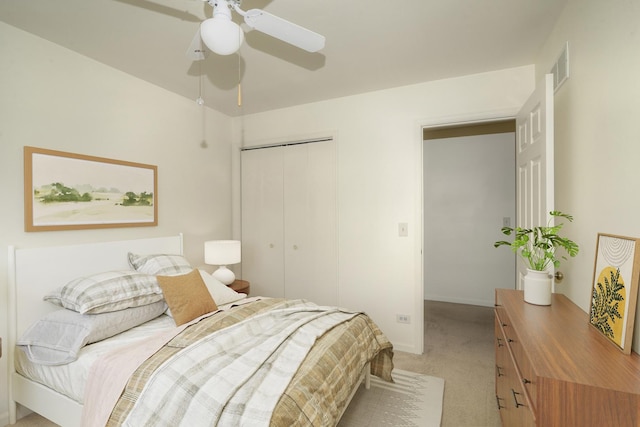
<point x="312" y="387"/>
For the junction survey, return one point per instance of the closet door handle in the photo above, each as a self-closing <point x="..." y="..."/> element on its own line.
<point x="271" y="245"/>
<point x="295" y="247"/>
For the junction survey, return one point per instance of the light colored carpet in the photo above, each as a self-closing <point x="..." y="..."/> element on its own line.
<point x="414" y="400"/>
<point x="459" y="347"/>
<point x="33" y="420"/>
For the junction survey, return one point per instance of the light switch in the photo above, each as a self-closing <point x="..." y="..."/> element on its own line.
<point x="506" y="221"/>
<point x="403" y="229"/>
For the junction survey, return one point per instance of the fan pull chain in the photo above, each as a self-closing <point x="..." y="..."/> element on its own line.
<point x="239" y="82"/>
<point x="200" y="99"/>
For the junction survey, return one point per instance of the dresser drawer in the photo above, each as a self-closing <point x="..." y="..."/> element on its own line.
<point x="523" y="367"/>
<point x="525" y="371"/>
<point x="502" y="353"/>
<point x="511" y="395"/>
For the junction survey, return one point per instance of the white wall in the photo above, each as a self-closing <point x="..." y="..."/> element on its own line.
<point x="597" y="132"/>
<point x="53" y="98"/>
<point x="379" y="151"/>
<point x="469" y="187"/>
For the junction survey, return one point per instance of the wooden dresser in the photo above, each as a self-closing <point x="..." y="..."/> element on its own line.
<point x="553" y="369"/>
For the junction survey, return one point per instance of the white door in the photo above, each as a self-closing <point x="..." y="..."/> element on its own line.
<point x="262" y="225"/>
<point x="534" y="161"/>
<point x="310" y="240"/>
<point x="289" y="221"/>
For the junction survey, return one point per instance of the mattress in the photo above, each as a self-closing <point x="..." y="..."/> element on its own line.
<point x="70" y="379"/>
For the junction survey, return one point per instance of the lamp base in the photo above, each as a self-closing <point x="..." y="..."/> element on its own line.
<point x="224" y="275"/>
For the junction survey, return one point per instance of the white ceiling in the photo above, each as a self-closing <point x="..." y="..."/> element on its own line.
<point x="371" y="44"/>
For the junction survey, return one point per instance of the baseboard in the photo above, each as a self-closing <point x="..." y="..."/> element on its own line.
<point x="406" y="348"/>
<point x="21" y="412"/>
<point x="468" y="301"/>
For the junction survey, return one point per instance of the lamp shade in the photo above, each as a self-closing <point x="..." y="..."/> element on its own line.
<point x="221" y="35"/>
<point x="222" y="252"/>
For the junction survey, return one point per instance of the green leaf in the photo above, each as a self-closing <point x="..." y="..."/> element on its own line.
<point x="538" y="246"/>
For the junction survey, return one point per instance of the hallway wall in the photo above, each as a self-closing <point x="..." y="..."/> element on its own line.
<point x="469" y="187"/>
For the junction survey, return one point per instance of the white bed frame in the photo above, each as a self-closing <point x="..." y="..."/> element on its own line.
<point x="35" y="272"/>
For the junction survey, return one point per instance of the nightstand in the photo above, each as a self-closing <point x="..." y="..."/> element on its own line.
<point x="241" y="286"/>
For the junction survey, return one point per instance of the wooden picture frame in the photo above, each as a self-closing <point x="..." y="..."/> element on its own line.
<point x="614" y="293"/>
<point x="67" y="191"/>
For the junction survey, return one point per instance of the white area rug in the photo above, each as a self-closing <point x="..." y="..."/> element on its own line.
<point x="414" y="400"/>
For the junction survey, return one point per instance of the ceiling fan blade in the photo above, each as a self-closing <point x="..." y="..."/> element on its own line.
<point x="196" y="50"/>
<point x="284" y="30"/>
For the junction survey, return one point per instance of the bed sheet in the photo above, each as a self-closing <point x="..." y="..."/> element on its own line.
<point x="70" y="379"/>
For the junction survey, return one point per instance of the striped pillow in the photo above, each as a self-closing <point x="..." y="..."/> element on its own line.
<point x="56" y="338"/>
<point x="106" y="292"/>
<point x="160" y="264"/>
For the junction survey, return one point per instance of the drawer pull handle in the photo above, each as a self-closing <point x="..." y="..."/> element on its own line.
<point x="510" y="340"/>
<point x="515" y="399"/>
<point x="526" y="381"/>
<point x="500" y="342"/>
<point x="498" y="399"/>
<point x="499" y="371"/>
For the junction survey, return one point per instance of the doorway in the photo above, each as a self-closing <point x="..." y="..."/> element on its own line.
<point x="468" y="195"/>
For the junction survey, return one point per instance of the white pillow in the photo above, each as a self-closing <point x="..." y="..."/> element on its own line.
<point x="221" y="293"/>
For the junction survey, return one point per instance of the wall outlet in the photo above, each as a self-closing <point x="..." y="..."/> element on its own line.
<point x="403" y="318"/>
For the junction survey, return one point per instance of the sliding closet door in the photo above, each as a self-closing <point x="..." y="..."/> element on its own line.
<point x="262" y="221"/>
<point x="289" y="226"/>
<point x="310" y="222"/>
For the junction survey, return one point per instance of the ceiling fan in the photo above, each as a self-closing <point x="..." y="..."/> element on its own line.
<point x="223" y="36"/>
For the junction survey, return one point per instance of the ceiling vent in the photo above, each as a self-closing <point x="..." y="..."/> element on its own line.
<point x="560" y="69"/>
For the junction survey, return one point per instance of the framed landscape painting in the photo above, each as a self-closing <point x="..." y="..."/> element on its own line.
<point x="67" y="191"/>
<point x="615" y="288"/>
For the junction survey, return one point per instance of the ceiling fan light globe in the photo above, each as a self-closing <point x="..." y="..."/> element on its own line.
<point x="221" y="36"/>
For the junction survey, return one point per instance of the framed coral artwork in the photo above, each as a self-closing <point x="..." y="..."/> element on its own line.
<point x="615" y="288"/>
<point x="66" y="191"/>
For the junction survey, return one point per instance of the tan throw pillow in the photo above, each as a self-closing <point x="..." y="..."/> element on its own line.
<point x="187" y="296"/>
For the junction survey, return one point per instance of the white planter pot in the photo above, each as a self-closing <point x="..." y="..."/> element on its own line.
<point x="537" y="287"/>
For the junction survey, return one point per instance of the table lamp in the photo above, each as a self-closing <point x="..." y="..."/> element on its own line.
<point x="222" y="253"/>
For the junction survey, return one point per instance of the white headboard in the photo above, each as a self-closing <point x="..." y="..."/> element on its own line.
<point x="34" y="272"/>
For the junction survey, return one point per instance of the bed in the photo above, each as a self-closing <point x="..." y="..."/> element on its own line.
<point x="318" y="389"/>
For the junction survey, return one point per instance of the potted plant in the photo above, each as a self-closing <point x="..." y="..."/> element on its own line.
<point x="538" y="248"/>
